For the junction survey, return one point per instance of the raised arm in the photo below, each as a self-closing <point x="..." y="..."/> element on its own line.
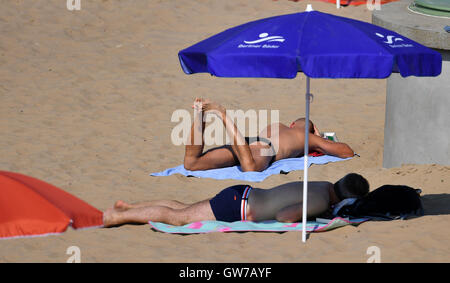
<point x="325" y="146"/>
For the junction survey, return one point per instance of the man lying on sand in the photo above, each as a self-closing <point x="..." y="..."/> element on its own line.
<point x="242" y="202"/>
<point x="247" y="152"/>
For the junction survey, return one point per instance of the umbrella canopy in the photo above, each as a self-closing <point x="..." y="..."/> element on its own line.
<point x="318" y="44"/>
<point x="31" y="207"/>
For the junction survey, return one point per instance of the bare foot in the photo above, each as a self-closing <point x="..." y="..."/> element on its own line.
<point x="120" y="205"/>
<point x="197" y="105"/>
<point x="111" y="215"/>
<point x="204" y="105"/>
<point x="211" y="106"/>
<point x="110" y="218"/>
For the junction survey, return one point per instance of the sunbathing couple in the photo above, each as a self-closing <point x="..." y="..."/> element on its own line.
<point x="242" y="202"/>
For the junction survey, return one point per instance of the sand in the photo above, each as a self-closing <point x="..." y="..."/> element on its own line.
<point x="86" y="104"/>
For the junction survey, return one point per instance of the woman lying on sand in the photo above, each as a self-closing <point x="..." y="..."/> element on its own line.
<point x="242" y="202"/>
<point x="280" y="140"/>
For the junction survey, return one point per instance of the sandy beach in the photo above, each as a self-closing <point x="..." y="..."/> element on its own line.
<point x="86" y="103"/>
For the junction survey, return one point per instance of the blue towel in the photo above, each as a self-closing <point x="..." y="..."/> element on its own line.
<point x="281" y="166"/>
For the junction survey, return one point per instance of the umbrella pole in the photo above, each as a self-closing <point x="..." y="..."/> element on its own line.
<point x="305" y="166"/>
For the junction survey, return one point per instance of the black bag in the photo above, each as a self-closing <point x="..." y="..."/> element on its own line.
<point x="388" y="202"/>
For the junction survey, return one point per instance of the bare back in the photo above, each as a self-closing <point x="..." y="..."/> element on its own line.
<point x="290" y="143"/>
<point x="264" y="204"/>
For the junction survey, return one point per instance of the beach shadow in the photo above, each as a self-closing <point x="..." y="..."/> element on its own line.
<point x="436" y="204"/>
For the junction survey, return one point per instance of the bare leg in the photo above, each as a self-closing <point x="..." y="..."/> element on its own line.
<point x="214" y="158"/>
<point x="194" y="158"/>
<point x="238" y="153"/>
<point x="121" y="205"/>
<point x="239" y="146"/>
<point x="196" y="212"/>
<point x="195" y="144"/>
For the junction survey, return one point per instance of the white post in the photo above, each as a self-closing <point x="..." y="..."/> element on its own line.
<point x="305" y="166"/>
<point x="338" y="4"/>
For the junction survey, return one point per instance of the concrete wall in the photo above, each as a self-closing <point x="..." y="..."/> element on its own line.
<point x="417" y="125"/>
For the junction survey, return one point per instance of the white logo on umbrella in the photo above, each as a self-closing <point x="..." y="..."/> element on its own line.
<point x="392" y="41"/>
<point x="264" y="37"/>
<point x="389" y="38"/>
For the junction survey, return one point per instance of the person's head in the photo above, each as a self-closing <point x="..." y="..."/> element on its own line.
<point x="300" y="124"/>
<point x="351" y="186"/>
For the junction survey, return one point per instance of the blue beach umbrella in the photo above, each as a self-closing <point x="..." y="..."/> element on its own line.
<point x="318" y="44"/>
